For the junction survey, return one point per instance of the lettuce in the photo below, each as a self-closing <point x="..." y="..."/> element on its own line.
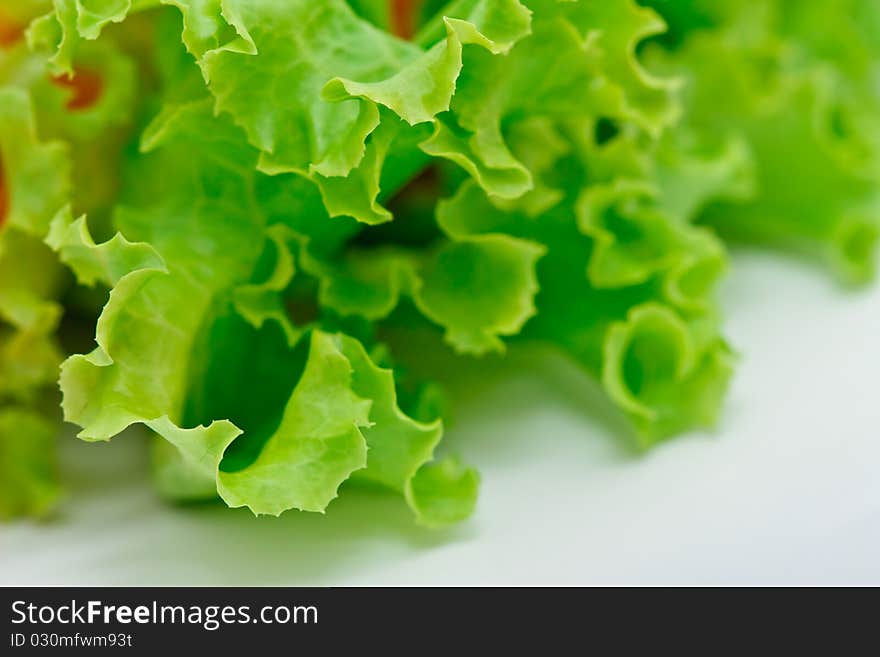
<point x="800" y="94"/>
<point x="59" y="145"/>
<point x="273" y="199"/>
<point x="184" y="323"/>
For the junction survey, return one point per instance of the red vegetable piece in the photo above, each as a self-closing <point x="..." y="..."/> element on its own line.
<point x="403" y="15"/>
<point x="11" y="32"/>
<point x="86" y="86"/>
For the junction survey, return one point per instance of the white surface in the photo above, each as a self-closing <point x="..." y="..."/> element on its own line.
<point x="787" y="491"/>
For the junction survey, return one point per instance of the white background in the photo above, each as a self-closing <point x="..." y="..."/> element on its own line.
<point x="787" y="491"/>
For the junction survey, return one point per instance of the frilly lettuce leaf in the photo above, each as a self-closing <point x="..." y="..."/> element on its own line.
<point x="479" y="288"/>
<point x="93" y="263"/>
<point x="401" y="449"/>
<point x="253" y="159"/>
<point x="668" y="374"/>
<point x="798" y="95"/>
<point x="631" y="238"/>
<point x="332" y="89"/>
<point x="63" y="30"/>
<point x="193" y="343"/>
<point x="579" y="61"/>
<point x="316" y="446"/>
<point x="816" y="199"/>
<point x="625" y="288"/>
<point x="443" y="492"/>
<point x="617" y="29"/>
<point x="692" y="171"/>
<point x="330" y="80"/>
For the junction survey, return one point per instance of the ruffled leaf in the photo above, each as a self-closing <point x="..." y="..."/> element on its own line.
<point x="799" y="96"/>
<point x="658" y="370"/>
<point x="598" y="286"/>
<point x="195" y="342"/>
<point x="92" y="263"/>
<point x="579" y="61"/>
<point x="479" y="289"/>
<point x="71" y="21"/>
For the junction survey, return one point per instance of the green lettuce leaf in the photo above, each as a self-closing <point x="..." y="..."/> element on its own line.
<point x="194" y="345"/>
<point x="274" y="201"/>
<point x="70" y="22"/>
<point x="310" y="104"/>
<point x="794" y="85"/>
<point x="625" y="289"/>
<point x="579" y="60"/>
